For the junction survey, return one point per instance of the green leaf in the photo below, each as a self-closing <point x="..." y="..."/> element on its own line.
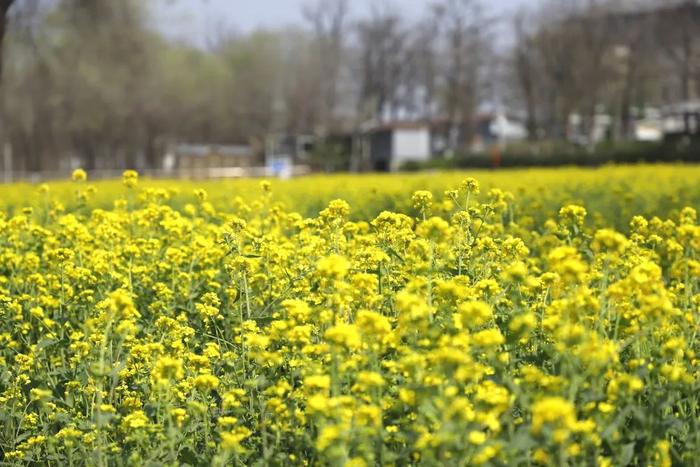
<point x="626" y="454"/>
<point x="188" y="457"/>
<point x="395" y="254"/>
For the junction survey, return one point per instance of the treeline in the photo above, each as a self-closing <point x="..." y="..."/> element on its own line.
<point x="612" y="58"/>
<point x="92" y="83"/>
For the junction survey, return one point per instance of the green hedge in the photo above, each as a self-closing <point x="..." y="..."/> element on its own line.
<point x="557" y="154"/>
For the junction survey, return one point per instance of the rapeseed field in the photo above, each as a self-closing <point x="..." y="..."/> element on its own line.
<point x="535" y="317"/>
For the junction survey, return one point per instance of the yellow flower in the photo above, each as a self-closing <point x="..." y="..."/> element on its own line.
<point x="574" y="214"/>
<point x="231" y="440"/>
<point x="266" y="186"/>
<point x="79" y="175"/>
<point x="608" y="239"/>
<point x="473" y="314"/>
<point x="345" y="335"/>
<point x="567" y="262"/>
<point x="233" y="398"/>
<point x="167" y="369"/>
<point x="356" y="462"/>
<point x="328" y="436"/>
<point x="201" y="195"/>
<point x="662" y="456"/>
<point x="553" y="412"/>
<point x="38" y="394"/>
<point x="522" y="324"/>
<point x="179" y="415"/>
<point x="317" y="382"/>
<point x="515" y="272"/>
<point x="135" y="420"/>
<point x="369" y="416"/>
<point x="477" y="437"/>
<point x="485" y="454"/>
<point x="470" y="185"/>
<point x="540" y="456"/>
<point x="69" y="435"/>
<point x="376" y="327"/>
<point x="130" y="178"/>
<point x="422" y="200"/>
<point x="489" y="338"/>
<point x="36" y="440"/>
<point x="333" y="267"/>
<point x="227" y="421"/>
<point x="407" y="396"/>
<point x="206" y="382"/>
<point x="604" y="407"/>
<point x="368" y="381"/>
<point x="435" y="228"/>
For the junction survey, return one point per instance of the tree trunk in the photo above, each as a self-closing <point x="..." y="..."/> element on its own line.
<point x="151" y="150"/>
<point x="4" y="9"/>
<point x="525" y="76"/>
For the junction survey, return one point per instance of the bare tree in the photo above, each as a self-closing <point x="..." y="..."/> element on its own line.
<point x="677" y="31"/>
<point x="329" y="22"/>
<point x="465" y="29"/>
<point x="422" y="79"/>
<point x="590" y="56"/>
<point x="382" y="45"/>
<point x="561" y="62"/>
<point x="525" y="67"/>
<point x="4" y="12"/>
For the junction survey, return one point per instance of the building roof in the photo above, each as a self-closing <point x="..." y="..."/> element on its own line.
<point x="398" y="125"/>
<point x="203" y="150"/>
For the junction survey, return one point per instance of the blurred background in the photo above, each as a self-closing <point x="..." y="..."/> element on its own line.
<point x="229" y="88"/>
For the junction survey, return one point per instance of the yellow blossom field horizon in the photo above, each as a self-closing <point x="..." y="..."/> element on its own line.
<point x="638" y="188"/>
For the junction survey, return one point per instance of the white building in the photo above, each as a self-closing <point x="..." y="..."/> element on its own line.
<point x="392" y="145"/>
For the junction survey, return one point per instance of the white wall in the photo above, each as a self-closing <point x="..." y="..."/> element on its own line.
<point x="409" y="145"/>
<point x="508" y="130"/>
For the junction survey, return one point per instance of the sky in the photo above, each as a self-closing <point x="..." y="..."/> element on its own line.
<point x="195" y="20"/>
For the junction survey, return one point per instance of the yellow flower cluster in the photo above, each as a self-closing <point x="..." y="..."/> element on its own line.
<point x="468" y="325"/>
